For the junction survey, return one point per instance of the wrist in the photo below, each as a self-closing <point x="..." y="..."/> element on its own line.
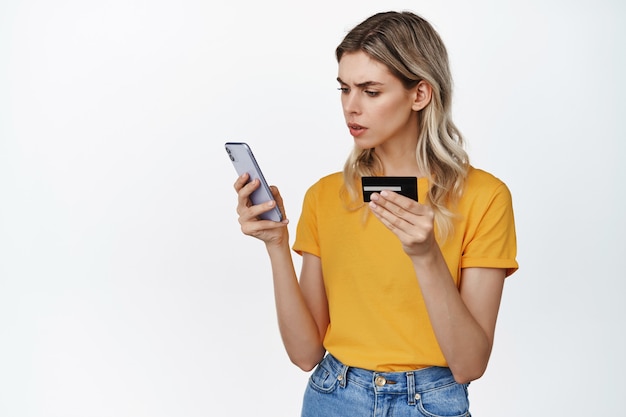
<point x="427" y="258"/>
<point x="278" y="244"/>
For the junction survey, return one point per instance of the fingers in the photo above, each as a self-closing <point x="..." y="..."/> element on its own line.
<point x="390" y="204"/>
<point x="244" y="186"/>
<point x="253" y="212"/>
<point x="244" y="189"/>
<point x="258" y="227"/>
<point x="412" y="222"/>
<point x="241" y="181"/>
<point x="279" y="199"/>
<point x="251" y="224"/>
<point x="398" y="212"/>
<point x="246" y="210"/>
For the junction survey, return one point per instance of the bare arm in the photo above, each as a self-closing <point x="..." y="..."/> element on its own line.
<point x="463" y="320"/>
<point x="301" y="307"/>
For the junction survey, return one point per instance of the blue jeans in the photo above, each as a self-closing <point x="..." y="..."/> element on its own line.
<point x="337" y="390"/>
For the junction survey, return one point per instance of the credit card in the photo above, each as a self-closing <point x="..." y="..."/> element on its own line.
<point x="406" y="186"/>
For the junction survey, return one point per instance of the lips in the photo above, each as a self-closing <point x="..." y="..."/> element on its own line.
<point x="356" y="129"/>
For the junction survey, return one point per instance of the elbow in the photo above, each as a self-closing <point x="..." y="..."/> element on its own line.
<point x="304" y="365"/>
<point x="466" y="377"/>
<point x="468" y="374"/>
<point x="306" y="362"/>
<point x="470" y="367"/>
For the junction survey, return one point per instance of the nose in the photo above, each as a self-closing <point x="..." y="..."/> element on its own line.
<point x="351" y="103"/>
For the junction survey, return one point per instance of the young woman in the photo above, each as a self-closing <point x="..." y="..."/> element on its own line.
<point x="397" y="300"/>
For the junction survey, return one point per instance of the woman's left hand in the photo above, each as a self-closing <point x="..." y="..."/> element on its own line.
<point x="411" y="221"/>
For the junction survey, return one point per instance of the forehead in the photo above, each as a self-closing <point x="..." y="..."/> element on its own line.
<point x="359" y="67"/>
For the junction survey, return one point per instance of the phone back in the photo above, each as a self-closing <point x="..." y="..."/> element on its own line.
<point x="244" y="161"/>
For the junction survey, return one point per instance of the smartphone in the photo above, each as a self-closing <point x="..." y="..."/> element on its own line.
<point x="244" y="161"/>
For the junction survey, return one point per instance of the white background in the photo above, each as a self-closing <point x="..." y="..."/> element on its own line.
<point x="126" y="287"/>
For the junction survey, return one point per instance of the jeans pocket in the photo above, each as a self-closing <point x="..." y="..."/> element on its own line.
<point x="324" y="378"/>
<point x="446" y="401"/>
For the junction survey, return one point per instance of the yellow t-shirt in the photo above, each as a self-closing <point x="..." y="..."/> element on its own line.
<point x="378" y="319"/>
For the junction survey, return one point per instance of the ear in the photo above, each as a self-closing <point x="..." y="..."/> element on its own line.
<point x="423" y="95"/>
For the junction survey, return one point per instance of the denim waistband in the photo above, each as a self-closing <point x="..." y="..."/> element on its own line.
<point x="413" y="382"/>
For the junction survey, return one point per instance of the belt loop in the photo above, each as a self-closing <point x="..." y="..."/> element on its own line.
<point x="410" y="387"/>
<point x="343" y="376"/>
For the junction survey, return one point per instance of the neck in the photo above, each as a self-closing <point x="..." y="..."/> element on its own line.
<point x="399" y="161"/>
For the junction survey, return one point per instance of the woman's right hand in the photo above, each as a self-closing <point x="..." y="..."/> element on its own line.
<point x="268" y="231"/>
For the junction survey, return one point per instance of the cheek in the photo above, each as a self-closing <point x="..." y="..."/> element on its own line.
<point x="394" y="111"/>
<point x="381" y="109"/>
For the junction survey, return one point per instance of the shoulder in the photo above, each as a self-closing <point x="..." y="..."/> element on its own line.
<point x="320" y="197"/>
<point x="483" y="183"/>
<point x="336" y="178"/>
<point x="478" y="178"/>
<point x="483" y="191"/>
<point x="329" y="183"/>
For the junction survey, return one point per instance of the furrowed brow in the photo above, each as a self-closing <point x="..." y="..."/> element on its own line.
<point x="361" y="85"/>
<point x="368" y="84"/>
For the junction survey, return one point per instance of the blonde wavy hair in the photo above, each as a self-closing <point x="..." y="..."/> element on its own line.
<point x="413" y="51"/>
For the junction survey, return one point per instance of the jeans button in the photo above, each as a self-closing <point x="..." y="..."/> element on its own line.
<point x="380" y="381"/>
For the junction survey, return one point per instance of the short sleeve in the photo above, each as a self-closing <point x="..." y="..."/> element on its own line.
<point x="307" y="236"/>
<point x="493" y="242"/>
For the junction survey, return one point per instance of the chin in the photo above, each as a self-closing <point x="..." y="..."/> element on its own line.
<point x="363" y="145"/>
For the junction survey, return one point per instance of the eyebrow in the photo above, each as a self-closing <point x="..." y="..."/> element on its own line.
<point x="361" y="85"/>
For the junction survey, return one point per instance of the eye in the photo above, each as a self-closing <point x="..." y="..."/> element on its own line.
<point x="344" y="90"/>
<point x="372" y="93"/>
